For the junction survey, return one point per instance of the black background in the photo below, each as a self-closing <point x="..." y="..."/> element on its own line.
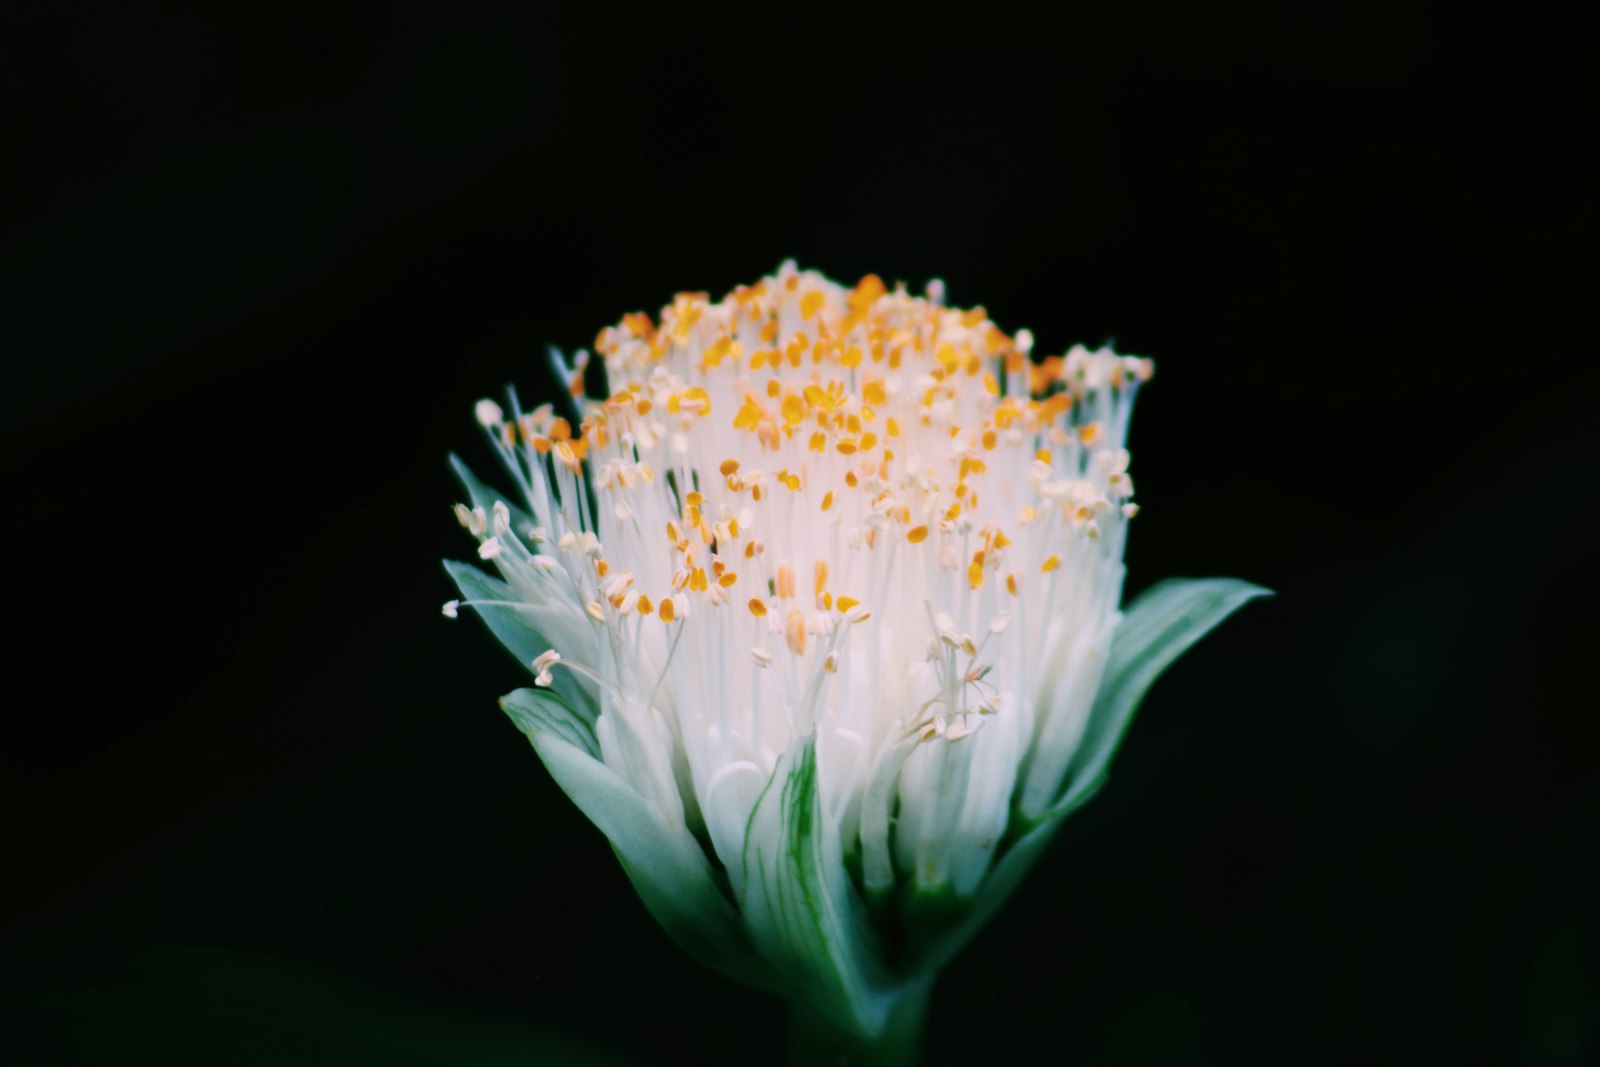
<point x="260" y="806"/>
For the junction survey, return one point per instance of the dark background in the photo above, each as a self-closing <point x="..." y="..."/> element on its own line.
<point x="260" y="806"/>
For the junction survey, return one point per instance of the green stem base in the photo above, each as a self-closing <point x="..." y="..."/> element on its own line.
<point x="815" y="1041"/>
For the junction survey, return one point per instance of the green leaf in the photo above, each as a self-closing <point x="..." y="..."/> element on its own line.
<point x="799" y="905"/>
<point x="666" y="864"/>
<point x="1158" y="628"/>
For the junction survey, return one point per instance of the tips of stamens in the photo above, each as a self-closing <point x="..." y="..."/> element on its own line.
<point x="489" y="414"/>
<point x="762" y="657"/>
<point x="957" y="730"/>
<point x="542" y="664"/>
<point x="794" y="632"/>
<point x="490" y="548"/>
<point x="1000" y="622"/>
<point x="451" y="609"/>
<point x="831" y="663"/>
<point x="472" y="519"/>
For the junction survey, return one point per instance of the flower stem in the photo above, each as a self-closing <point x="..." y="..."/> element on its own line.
<point x="816" y="1040"/>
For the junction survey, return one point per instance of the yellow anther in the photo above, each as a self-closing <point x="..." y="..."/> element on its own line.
<point x="697" y="400"/>
<point x="867" y="290"/>
<point x="785" y="584"/>
<point x="668" y="612"/>
<point x="820" y="576"/>
<point x="749" y="414"/>
<point x="794" y="410"/>
<point x="1050" y="564"/>
<point x="827" y="500"/>
<point x="728" y="466"/>
<point x="917" y="534"/>
<point x="758" y="607"/>
<point x="845" y="603"/>
<point x="811" y="303"/>
<point x="794" y="632"/>
<point x="645" y="607"/>
<point x="719" y="350"/>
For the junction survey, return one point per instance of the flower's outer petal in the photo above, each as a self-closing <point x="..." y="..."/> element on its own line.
<point x="1158" y="628"/>
<point x="516" y="630"/>
<point x="877" y="817"/>
<point x="799" y="905"/>
<point x="666" y="864"/>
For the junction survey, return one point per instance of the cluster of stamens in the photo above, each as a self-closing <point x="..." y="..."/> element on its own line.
<point x="806" y="457"/>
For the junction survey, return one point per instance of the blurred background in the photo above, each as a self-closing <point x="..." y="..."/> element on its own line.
<point x="257" y="263"/>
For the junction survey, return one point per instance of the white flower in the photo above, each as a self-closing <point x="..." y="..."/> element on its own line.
<point x="835" y="584"/>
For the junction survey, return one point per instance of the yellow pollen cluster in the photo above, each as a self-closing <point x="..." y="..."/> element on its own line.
<point x="797" y="419"/>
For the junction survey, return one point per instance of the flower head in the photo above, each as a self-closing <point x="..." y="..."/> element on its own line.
<point x="822" y="598"/>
